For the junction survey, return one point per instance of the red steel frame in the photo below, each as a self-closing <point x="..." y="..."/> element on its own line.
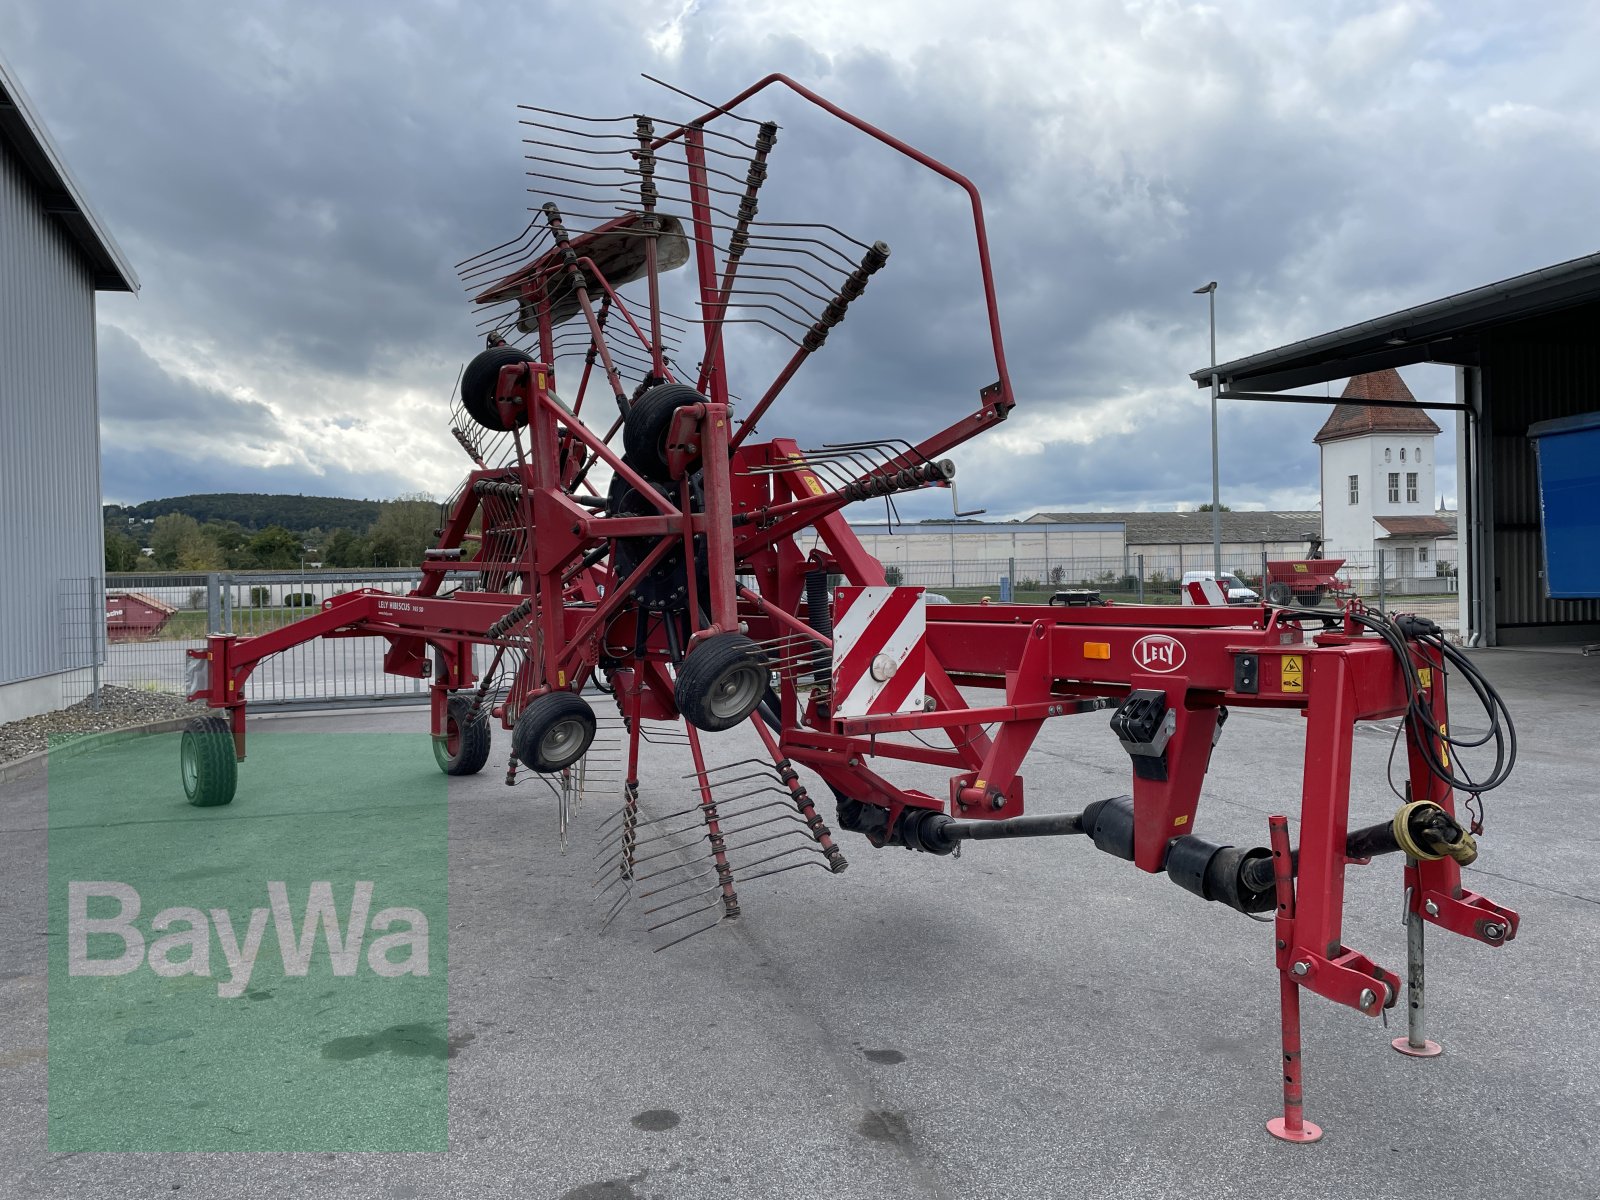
<point x="758" y="496"/>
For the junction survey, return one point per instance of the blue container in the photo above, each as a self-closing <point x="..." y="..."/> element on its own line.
<point x="1568" y="451"/>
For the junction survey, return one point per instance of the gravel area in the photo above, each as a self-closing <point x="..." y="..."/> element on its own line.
<point x="119" y="708"/>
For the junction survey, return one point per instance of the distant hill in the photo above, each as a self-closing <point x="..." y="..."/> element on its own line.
<point x="255" y="511"/>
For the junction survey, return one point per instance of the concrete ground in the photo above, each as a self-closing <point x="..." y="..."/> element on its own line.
<point x="1034" y="1019"/>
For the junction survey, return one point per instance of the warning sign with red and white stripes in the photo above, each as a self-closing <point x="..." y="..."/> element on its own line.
<point x="1204" y="591"/>
<point x="879" y="650"/>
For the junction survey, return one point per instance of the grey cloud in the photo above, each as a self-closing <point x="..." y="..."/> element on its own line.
<point x="295" y="187"/>
<point x="138" y="397"/>
<point x="163" y="434"/>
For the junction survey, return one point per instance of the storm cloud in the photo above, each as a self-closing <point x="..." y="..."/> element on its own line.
<point x="295" y="184"/>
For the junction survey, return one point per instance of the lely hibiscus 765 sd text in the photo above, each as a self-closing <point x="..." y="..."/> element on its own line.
<point x="706" y="578"/>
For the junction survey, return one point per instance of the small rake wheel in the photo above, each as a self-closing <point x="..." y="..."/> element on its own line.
<point x="650" y="418"/>
<point x="721" y="682"/>
<point x="206" y="759"/>
<point x="463" y="748"/>
<point x="553" y="732"/>
<point x="478" y="384"/>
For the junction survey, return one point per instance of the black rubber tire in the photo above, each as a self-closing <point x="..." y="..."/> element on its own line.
<point x="471" y="738"/>
<point x="1311" y="599"/>
<point x="1279" y="594"/>
<point x="553" y="732"/>
<point x="721" y="682"/>
<point x="207" y="765"/>
<point x="478" y="385"/>
<point x="645" y="432"/>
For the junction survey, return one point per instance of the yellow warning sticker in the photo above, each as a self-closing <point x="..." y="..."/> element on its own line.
<point x="813" y="483"/>
<point x="1425" y="676"/>
<point x="1301" y="569"/>
<point x="561" y="679"/>
<point x="1294" y="673"/>
<point x="1181" y="819"/>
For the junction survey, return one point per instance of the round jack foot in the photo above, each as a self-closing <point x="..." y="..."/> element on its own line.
<point x="1428" y="1049"/>
<point x="1308" y="1132"/>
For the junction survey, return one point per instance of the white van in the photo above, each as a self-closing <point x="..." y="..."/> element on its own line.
<point x="1238" y="593"/>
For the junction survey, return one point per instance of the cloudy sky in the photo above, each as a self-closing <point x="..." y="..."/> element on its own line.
<point x="294" y="181"/>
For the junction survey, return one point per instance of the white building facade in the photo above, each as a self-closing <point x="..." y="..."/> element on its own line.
<point x="1378" y="481"/>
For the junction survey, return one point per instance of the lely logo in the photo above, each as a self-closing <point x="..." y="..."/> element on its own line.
<point x="184" y="944"/>
<point x="1159" y="653"/>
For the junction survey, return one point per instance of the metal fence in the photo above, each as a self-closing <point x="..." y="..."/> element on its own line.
<point x="1382" y="579"/>
<point x="80" y="608"/>
<point x="323" y="671"/>
<point x="350" y="670"/>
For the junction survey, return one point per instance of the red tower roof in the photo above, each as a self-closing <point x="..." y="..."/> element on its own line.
<point x="1357" y="419"/>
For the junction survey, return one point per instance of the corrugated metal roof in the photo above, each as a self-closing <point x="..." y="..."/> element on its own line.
<point x="1092" y="523"/>
<point x="24" y="136"/>
<point x="1438" y="331"/>
<point x="1175" y="528"/>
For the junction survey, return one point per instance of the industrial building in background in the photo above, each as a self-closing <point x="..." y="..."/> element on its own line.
<point x="57" y="255"/>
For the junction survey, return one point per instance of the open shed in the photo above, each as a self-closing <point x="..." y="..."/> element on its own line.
<point x="1526" y="350"/>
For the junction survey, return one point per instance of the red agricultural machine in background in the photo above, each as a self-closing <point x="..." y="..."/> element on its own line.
<point x="1305" y="581"/>
<point x="625" y="539"/>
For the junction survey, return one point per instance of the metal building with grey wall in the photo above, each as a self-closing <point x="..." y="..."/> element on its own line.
<point x="1526" y="352"/>
<point x="54" y="256"/>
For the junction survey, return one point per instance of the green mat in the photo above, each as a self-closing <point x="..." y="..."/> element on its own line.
<point x="328" y="870"/>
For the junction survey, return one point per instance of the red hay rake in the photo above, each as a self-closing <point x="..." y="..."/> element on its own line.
<point x="707" y="579"/>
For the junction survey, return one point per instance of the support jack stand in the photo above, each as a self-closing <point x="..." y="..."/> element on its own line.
<point x="1414" y="1044"/>
<point x="1292" y="1126"/>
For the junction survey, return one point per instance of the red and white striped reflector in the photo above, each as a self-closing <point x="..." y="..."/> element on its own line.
<point x="879" y="650"/>
<point x="1204" y="591"/>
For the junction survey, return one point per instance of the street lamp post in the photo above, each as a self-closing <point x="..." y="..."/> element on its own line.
<point x="1210" y="292"/>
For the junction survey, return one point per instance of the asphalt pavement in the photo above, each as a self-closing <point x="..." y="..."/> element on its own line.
<point x="1033" y="1019"/>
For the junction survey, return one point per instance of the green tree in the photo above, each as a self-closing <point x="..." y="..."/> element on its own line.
<point x="275" y="546"/>
<point x="1206" y="507"/>
<point x="344" y="549"/>
<point x="404" y="529"/>
<point x="176" y="542"/>
<point x="202" y="556"/>
<point x="122" y="552"/>
<point x="226" y="535"/>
